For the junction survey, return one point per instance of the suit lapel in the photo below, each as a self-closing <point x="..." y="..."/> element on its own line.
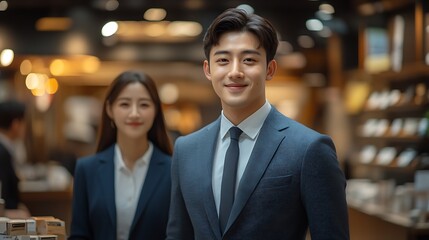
<point x="208" y="146"/>
<point x="106" y="178"/>
<point x="154" y="175"/>
<point x="266" y="146"/>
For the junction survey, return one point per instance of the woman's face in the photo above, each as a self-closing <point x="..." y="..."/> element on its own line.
<point x="133" y="112"/>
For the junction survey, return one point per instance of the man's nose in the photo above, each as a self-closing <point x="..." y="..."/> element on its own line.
<point x="236" y="71"/>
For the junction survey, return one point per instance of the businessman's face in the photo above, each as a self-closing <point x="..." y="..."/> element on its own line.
<point x="238" y="71"/>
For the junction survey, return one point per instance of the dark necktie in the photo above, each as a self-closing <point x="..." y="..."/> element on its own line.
<point x="229" y="176"/>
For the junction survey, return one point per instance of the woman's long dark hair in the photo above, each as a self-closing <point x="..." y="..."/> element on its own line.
<point x="158" y="132"/>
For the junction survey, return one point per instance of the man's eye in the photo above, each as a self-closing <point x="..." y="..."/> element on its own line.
<point x="222" y="60"/>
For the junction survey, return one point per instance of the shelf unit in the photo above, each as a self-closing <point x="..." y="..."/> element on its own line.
<point x="412" y="76"/>
<point x="374" y="130"/>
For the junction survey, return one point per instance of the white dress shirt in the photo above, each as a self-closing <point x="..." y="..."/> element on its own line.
<point x="250" y="127"/>
<point x="128" y="185"/>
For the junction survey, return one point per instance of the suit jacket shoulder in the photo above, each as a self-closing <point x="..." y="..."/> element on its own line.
<point x="9" y="180"/>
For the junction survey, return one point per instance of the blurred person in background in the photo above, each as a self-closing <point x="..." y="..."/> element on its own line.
<point x="12" y="129"/>
<point x="287" y="177"/>
<point x="123" y="191"/>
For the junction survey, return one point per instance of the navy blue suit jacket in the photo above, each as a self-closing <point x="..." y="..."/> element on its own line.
<point x="9" y="180"/>
<point x="94" y="209"/>
<point x="292" y="182"/>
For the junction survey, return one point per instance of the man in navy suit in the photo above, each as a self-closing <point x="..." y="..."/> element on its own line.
<point x="12" y="128"/>
<point x="288" y="178"/>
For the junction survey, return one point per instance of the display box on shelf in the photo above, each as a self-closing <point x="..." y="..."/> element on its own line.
<point x="48" y="225"/>
<point x="13" y="226"/>
<point x="11" y="237"/>
<point x="43" y="237"/>
<point x="31" y="226"/>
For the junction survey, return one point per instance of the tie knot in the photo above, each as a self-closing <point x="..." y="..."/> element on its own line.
<point x="235" y="133"/>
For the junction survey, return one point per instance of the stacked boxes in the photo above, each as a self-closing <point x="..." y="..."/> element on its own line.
<point x="43" y="237"/>
<point x="35" y="228"/>
<point x="12" y="226"/>
<point x="50" y="226"/>
<point x="11" y="237"/>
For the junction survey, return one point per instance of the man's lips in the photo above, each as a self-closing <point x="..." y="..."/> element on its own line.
<point x="235" y="86"/>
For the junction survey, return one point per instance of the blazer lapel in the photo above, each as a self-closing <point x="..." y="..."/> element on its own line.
<point x="266" y="146"/>
<point x="154" y="175"/>
<point x="106" y="178"/>
<point x="208" y="146"/>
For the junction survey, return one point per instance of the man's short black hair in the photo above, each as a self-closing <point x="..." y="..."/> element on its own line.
<point x="238" y="20"/>
<point x="10" y="110"/>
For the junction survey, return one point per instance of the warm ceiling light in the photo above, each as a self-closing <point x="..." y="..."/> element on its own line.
<point x="53" y="24"/>
<point x="51" y="86"/>
<point x="111" y="5"/>
<point x="109" y="29"/>
<point x="74" y="66"/>
<point x="31" y="81"/>
<point x="327" y="8"/>
<point x="57" y="67"/>
<point x="25" y="67"/>
<point x="162" y="31"/>
<point x="6" y="57"/>
<point x="182" y="28"/>
<point x="3" y="5"/>
<point x="36" y="83"/>
<point x="40" y="88"/>
<point x="314" y="25"/>
<point x="155" y="14"/>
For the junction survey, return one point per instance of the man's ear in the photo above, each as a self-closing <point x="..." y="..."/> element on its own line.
<point x="206" y="68"/>
<point x="271" y="69"/>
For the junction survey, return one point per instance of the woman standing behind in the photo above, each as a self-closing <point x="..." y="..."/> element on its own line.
<point x="123" y="191"/>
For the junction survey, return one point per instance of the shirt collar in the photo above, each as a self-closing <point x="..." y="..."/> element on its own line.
<point x="250" y="126"/>
<point x="143" y="160"/>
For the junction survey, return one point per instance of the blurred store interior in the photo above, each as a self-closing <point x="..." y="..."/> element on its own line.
<point x="357" y="70"/>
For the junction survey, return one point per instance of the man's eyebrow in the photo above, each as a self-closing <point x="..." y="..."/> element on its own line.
<point x="251" y="52"/>
<point x="243" y="52"/>
<point x="221" y="52"/>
